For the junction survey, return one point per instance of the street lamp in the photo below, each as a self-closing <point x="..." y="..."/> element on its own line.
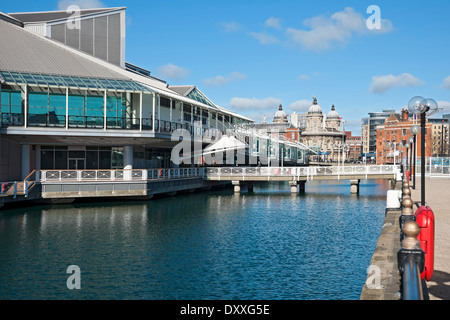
<point x="420" y="105"/>
<point x="408" y="146"/>
<point x="414" y="130"/>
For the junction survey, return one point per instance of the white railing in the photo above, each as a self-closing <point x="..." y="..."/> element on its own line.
<point x="309" y="172"/>
<point x="119" y="175"/>
<point x="9" y="189"/>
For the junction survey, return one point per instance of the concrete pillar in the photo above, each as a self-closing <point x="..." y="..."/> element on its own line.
<point x="294" y="186"/>
<point x="354" y="186"/>
<point x="127" y="162"/>
<point x="237" y="186"/>
<point x="26" y="151"/>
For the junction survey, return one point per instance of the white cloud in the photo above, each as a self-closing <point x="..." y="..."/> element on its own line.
<point x="264" y="38"/>
<point x="83" y="4"/>
<point x="445" y="105"/>
<point x="221" y="80"/>
<point x="300" y="105"/>
<point x="173" y="72"/>
<point x="231" y="26"/>
<point x="381" y="84"/>
<point x="273" y="23"/>
<point x="254" y="104"/>
<point x="339" y="28"/>
<point x="303" y="77"/>
<point x="446" y="83"/>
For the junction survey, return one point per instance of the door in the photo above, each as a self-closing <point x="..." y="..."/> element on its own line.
<point x="77" y="164"/>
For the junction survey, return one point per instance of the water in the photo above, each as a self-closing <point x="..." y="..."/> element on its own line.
<point x="267" y="245"/>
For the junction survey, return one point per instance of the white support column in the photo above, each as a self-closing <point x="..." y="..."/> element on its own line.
<point x="105" y="123"/>
<point x="67" y="108"/>
<point x="159" y="113"/>
<point x="154" y="112"/>
<point x="25" y="104"/>
<point x="127" y="162"/>
<point x="140" y="110"/>
<point x="25" y="168"/>
<point x="171" y="104"/>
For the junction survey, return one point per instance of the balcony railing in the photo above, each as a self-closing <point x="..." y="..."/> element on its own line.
<point x="12" y="120"/>
<point x="119" y="175"/>
<point x="52" y="120"/>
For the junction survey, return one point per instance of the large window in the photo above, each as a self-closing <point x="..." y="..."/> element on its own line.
<point x="92" y="158"/>
<point x="11" y="101"/>
<point x="45" y="109"/>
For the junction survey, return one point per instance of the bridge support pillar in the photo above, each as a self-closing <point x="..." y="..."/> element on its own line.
<point x="294" y="186"/>
<point x="237" y="186"/>
<point x="354" y="186"/>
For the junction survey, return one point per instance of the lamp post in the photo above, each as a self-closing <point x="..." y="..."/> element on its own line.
<point x="421" y="106"/>
<point x="407" y="146"/>
<point x="412" y="147"/>
<point x="415" y="129"/>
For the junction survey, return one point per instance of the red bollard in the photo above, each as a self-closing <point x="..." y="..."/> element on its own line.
<point x="425" y="220"/>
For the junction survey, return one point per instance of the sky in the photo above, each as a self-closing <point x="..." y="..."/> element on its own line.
<point x="251" y="56"/>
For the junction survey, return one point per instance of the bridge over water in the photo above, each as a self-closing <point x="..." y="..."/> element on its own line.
<point x="144" y="183"/>
<point x="297" y="176"/>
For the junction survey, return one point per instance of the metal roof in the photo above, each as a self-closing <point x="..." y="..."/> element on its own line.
<point x="49" y="16"/>
<point x="182" y="90"/>
<point x="24" y="51"/>
<point x="71" y="82"/>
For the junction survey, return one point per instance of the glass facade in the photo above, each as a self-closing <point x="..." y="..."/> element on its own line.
<point x="90" y="158"/>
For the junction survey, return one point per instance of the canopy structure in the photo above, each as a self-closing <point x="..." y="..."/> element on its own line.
<point x="224" y="144"/>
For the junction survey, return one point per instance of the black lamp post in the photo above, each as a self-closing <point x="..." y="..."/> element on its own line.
<point x="415" y="129"/>
<point x="419" y="105"/>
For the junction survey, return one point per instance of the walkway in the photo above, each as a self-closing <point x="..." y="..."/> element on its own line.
<point x="437" y="197"/>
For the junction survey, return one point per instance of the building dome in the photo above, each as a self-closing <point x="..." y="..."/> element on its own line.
<point x="280" y="116"/>
<point x="315" y="108"/>
<point x="333" y="114"/>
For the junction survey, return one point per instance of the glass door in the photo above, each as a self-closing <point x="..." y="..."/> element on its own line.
<point x="77" y="164"/>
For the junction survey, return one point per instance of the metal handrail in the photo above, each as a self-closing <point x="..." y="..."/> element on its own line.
<point x="303" y="171"/>
<point x="120" y="175"/>
<point x="412" y="284"/>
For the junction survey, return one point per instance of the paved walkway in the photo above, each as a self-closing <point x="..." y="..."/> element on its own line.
<point x="437" y="197"/>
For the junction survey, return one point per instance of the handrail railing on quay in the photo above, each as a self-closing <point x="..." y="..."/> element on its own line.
<point x="411" y="257"/>
<point x="119" y="175"/>
<point x="297" y="172"/>
<point x="9" y="188"/>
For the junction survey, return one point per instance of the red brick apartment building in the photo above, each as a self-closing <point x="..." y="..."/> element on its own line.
<point x="396" y="130"/>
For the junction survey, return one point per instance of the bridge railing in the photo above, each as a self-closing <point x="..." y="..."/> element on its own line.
<point x="302" y="171"/>
<point x="119" y="175"/>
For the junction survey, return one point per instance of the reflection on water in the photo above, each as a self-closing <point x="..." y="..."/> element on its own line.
<point x="268" y="244"/>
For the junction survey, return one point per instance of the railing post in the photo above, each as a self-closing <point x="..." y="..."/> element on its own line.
<point x="15" y="189"/>
<point x="411" y="263"/>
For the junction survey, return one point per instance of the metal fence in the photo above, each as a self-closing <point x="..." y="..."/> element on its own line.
<point x="434" y="166"/>
<point x="309" y="172"/>
<point x="119" y="175"/>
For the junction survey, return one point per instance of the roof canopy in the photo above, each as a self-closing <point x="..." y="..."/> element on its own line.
<point x="224" y="144"/>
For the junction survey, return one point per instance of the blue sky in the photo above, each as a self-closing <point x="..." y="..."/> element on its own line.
<point x="250" y="56"/>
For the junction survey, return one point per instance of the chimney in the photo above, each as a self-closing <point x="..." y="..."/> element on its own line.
<point x="405" y="115"/>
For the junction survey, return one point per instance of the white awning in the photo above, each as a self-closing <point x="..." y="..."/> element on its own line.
<point x="224" y="144"/>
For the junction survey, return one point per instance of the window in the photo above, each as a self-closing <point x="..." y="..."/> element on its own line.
<point x="11" y="101"/>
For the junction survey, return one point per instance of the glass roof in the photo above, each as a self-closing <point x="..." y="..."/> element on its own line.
<point x="197" y="95"/>
<point x="72" y="82"/>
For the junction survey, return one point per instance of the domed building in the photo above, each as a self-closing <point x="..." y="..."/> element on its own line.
<point x="280" y="116"/>
<point x="323" y="133"/>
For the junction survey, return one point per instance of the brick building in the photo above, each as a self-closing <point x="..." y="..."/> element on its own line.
<point x="396" y="130"/>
